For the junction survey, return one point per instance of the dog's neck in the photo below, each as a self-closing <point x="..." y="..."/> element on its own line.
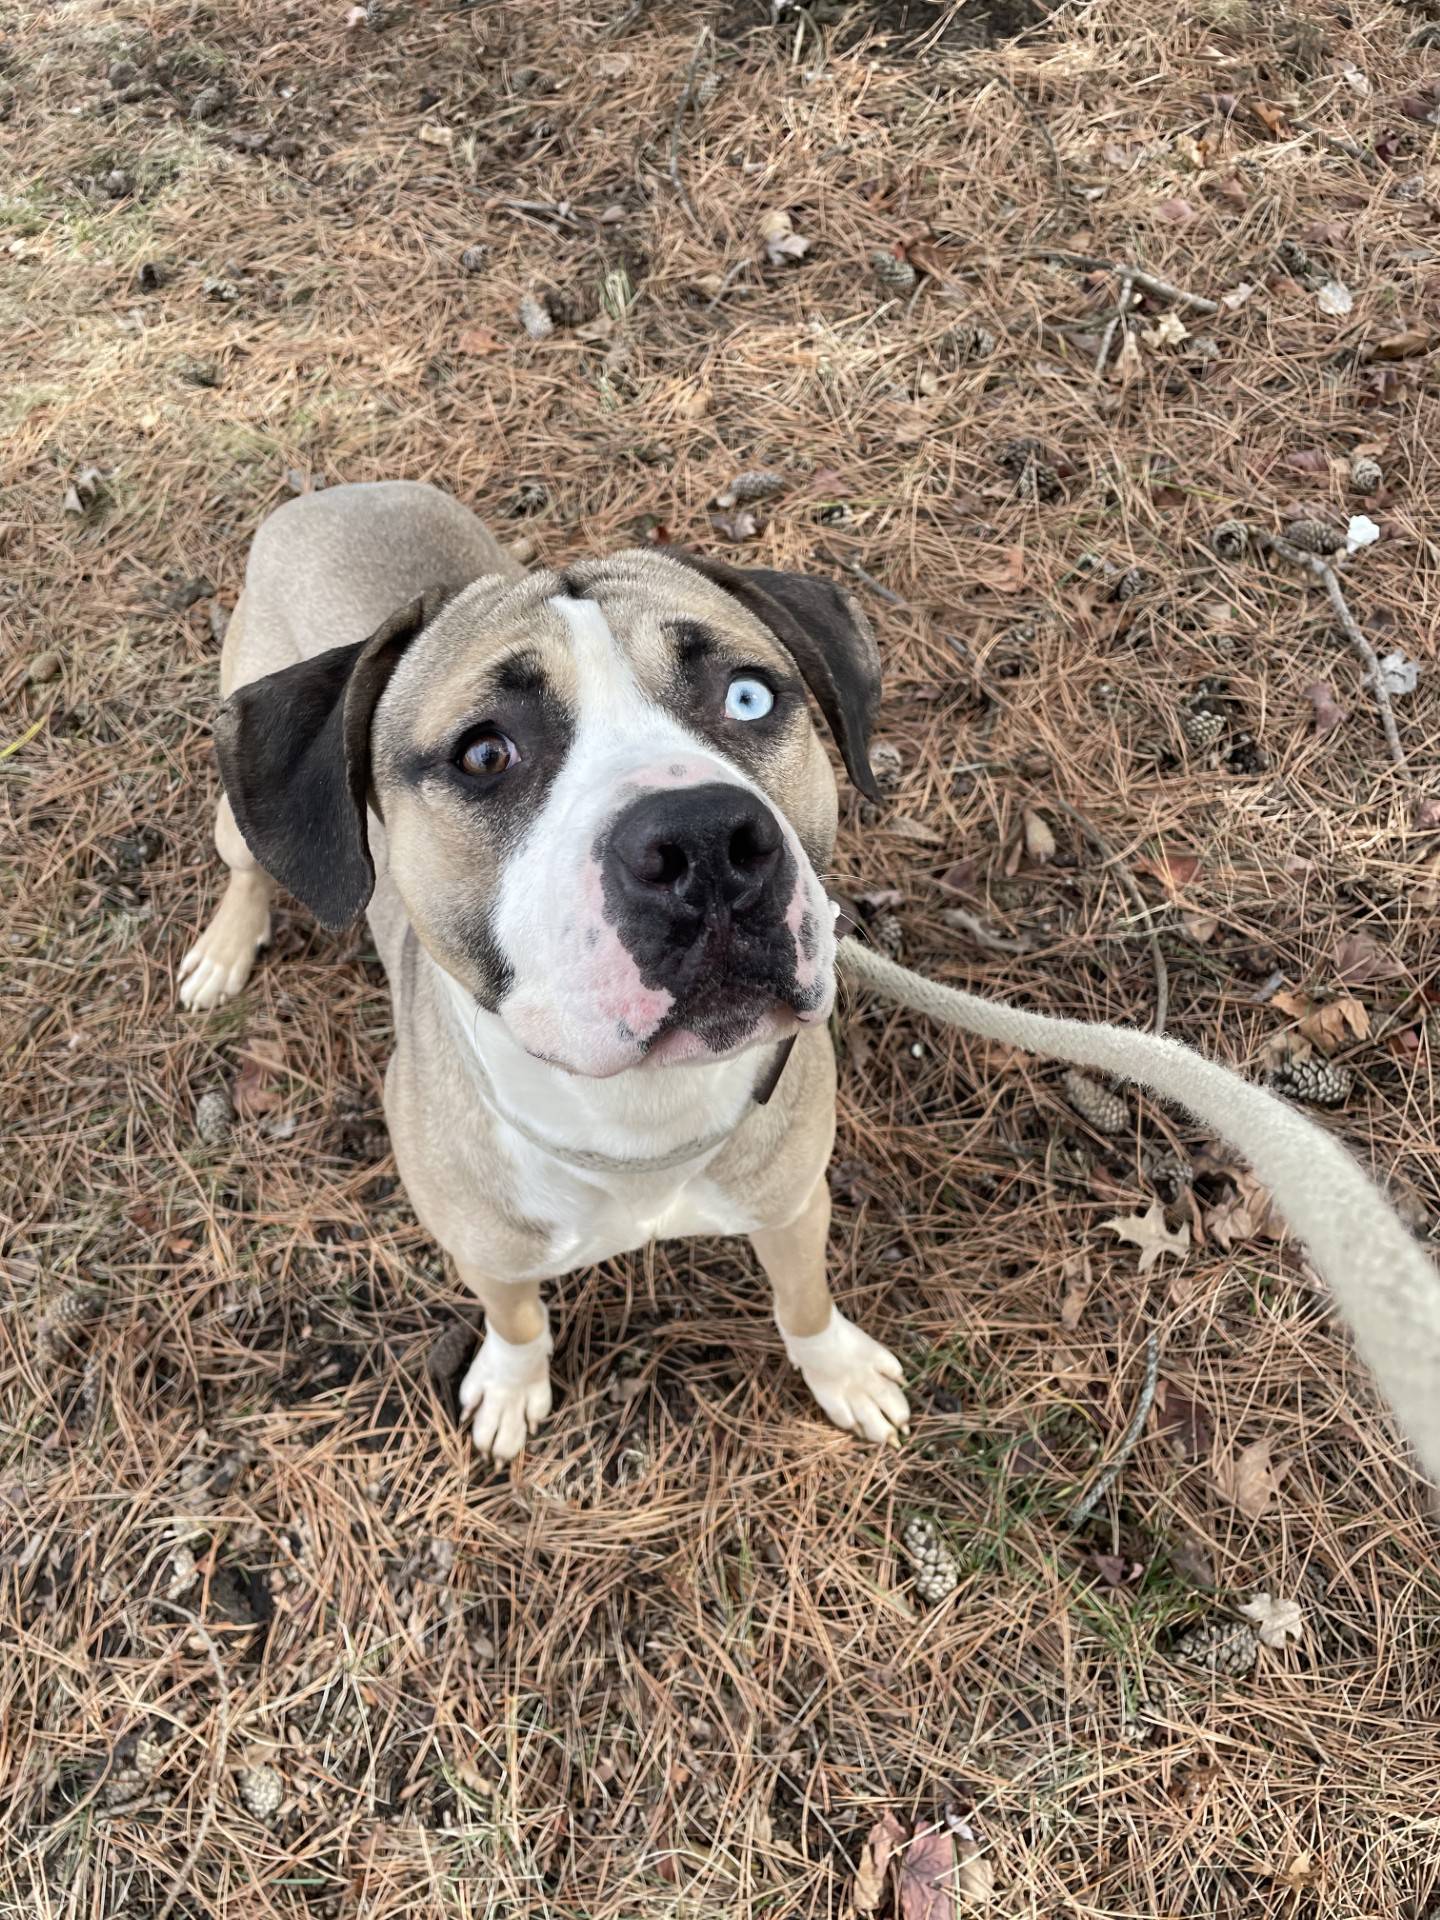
<point x="645" y="1116"/>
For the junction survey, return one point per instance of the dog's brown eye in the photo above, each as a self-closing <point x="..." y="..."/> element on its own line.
<point x="489" y="754"/>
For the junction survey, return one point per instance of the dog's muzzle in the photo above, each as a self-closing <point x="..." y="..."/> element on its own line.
<point x="697" y="882"/>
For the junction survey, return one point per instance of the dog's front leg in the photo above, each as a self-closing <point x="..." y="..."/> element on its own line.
<point x="854" y="1378"/>
<point x="506" y="1390"/>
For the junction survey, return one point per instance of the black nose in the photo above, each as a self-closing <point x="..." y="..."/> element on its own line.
<point x="693" y="851"/>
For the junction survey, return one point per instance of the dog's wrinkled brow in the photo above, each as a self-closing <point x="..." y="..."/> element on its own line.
<point x="522" y="672"/>
<point x="693" y="641"/>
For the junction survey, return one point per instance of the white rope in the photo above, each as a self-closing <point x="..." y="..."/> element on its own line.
<point x="1386" y="1287"/>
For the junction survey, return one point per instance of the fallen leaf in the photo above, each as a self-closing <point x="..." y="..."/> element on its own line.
<point x="1426" y="816"/>
<point x="1326" y="233"/>
<point x="1405" y="345"/>
<point x="479" y="340"/>
<point x="1400" y="676"/>
<point x="1248" y="1214"/>
<point x="1075" y="1271"/>
<point x="1200" y="927"/>
<point x="1335" y="298"/>
<point x="1250" y="1479"/>
<point x="1039" y="840"/>
<point x="1149" y="1233"/>
<point x="1194" y="1562"/>
<point x="1354" y="78"/>
<point x="1178" y="212"/>
<point x="737" y="526"/>
<point x="434" y="135"/>
<point x="1328" y="711"/>
<point x="1115" y="1570"/>
<point x="1298" y="1874"/>
<point x="871" y="1874"/>
<point x="1127" y="364"/>
<point x="1360" y="960"/>
<point x="1169" y="331"/>
<point x="1333" y="1023"/>
<point x="1361" y="531"/>
<point x="1272" y="118"/>
<point x="974" y="1875"/>
<point x="254" y="1094"/>
<point x="910" y="829"/>
<point x="927" y="1867"/>
<point x="1183" y="1421"/>
<point x="1172" y="870"/>
<point x="1277" y="1622"/>
<point x="1069" y="1368"/>
<point x="1308" y="460"/>
<point x="780" y="240"/>
<point x="1232" y="188"/>
<point x="1009" y="579"/>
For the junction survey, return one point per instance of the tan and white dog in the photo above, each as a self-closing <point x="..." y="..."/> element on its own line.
<point x="589" y="817"/>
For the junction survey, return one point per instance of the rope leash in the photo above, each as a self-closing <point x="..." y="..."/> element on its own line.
<point x="1384" y="1284"/>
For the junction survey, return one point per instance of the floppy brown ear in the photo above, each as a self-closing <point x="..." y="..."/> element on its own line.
<point x="294" y="753"/>
<point x="823" y="630"/>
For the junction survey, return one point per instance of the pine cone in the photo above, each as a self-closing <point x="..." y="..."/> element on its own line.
<point x="1321" y="1082"/>
<point x="1202" y="726"/>
<point x="1313" y="536"/>
<point x="1246" y="755"/>
<point x="66" y="1316"/>
<point x="1131" y="583"/>
<point x="887" y="764"/>
<point x="1292" y="258"/>
<point x="534" y="316"/>
<point x="1106" y="1110"/>
<point x="1230" y="540"/>
<point x="888" y="934"/>
<point x="1032" y="466"/>
<point x="1366" y="475"/>
<point x="531" y="496"/>
<point x="937" y="1572"/>
<point x="261" y="1790"/>
<point x="1220" y="1646"/>
<point x="149" y="1756"/>
<point x="756" y="483"/>
<point x="893" y="273"/>
<point x="213" y="1115"/>
<point x="964" y="344"/>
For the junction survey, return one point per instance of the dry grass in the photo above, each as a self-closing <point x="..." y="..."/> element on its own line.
<point x="675" y="1664"/>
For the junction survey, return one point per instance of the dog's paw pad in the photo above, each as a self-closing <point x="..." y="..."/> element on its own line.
<point x="505" y="1395"/>
<point x="856" y="1381"/>
<point x="218" y="965"/>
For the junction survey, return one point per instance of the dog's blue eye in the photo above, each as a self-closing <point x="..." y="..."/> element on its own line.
<point x="747" y="699"/>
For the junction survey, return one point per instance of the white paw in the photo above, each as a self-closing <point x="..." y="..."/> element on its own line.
<point x="219" y="963"/>
<point x="855" y="1380"/>
<point x="506" y="1394"/>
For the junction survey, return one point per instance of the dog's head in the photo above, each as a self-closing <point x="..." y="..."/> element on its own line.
<point x="607" y="810"/>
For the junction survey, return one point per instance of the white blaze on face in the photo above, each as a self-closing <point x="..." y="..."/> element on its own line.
<point x="578" y="998"/>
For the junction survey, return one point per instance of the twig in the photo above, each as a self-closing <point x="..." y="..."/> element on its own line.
<point x="207" y="1818"/>
<point x="1132" y="887"/>
<point x="1147" y="282"/>
<point x="1322" y="571"/>
<point x="686" y="97"/>
<point x="560" y="210"/>
<point x="982" y="935"/>
<point x="877" y="587"/>
<point x="1037" y="120"/>
<point x="1127" y="294"/>
<point x="1350" y="148"/>
<point x="1088" y="1502"/>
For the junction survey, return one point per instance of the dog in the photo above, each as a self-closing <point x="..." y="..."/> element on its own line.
<point x="588" y="814"/>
